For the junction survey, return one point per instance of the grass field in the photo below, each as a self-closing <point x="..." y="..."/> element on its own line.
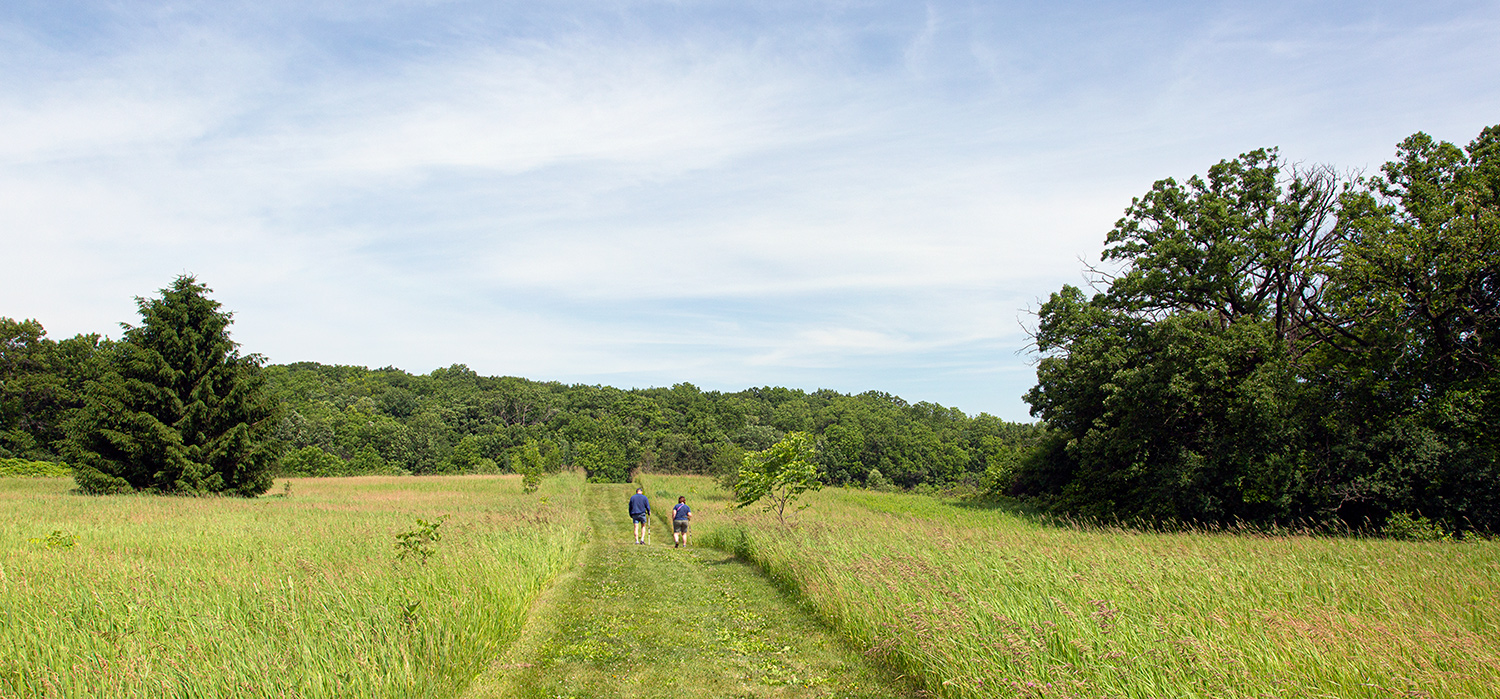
<point x="303" y="595"/>
<point x="296" y="595"/>
<point x="981" y="603"/>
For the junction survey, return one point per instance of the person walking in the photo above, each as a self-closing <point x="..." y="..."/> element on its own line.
<point x="681" y="513"/>
<point x="640" y="512"/>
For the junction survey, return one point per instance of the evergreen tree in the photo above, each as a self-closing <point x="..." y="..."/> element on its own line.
<point x="182" y="412"/>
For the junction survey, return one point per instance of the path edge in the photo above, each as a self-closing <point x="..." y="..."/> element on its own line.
<point x="504" y="675"/>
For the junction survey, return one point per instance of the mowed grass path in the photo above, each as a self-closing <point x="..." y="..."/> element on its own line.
<point x="655" y="621"/>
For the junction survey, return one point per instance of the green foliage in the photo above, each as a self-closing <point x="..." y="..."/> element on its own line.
<point x="468" y="456"/>
<point x="1280" y="343"/>
<point x="58" y="539"/>
<point x="1413" y="383"/>
<point x="1176" y="387"/>
<point x="876" y="480"/>
<point x="778" y="475"/>
<point x="41" y="382"/>
<point x="603" y="462"/>
<point x="386" y="421"/>
<point x="420" y="542"/>
<point x="530" y="464"/>
<point x="1408" y="527"/>
<point x="680" y="429"/>
<point x="181" y="412"/>
<point x="21" y="468"/>
<point x="1002" y="464"/>
<point x="312" y="461"/>
<point x="726" y="463"/>
<point x="367" y="461"/>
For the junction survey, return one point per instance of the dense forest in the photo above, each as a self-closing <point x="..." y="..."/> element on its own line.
<point x="456" y="421"/>
<point x="1269" y="343"/>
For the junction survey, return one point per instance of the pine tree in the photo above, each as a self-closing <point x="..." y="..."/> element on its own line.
<point x="182" y="412"/>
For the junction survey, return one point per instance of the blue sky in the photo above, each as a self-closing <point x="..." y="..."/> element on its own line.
<point x="857" y="196"/>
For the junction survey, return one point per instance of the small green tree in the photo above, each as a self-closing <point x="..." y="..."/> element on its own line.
<point x="181" y="411"/>
<point x="529" y="463"/>
<point x="778" y="475"/>
<point x="420" y="542"/>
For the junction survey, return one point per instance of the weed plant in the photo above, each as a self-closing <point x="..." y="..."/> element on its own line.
<point x="977" y="602"/>
<point x="277" y="596"/>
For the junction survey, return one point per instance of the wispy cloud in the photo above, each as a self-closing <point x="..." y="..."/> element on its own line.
<point x="843" y="195"/>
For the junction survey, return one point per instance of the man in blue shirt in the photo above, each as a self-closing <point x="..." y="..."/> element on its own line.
<point x="640" y="511"/>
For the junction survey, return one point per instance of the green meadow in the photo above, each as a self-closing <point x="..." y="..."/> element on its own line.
<point x="306" y="593"/>
<point x="299" y="594"/>
<point x="981" y="602"/>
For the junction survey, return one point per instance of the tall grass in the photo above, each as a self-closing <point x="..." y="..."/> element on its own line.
<point x="981" y="603"/>
<point x="294" y="595"/>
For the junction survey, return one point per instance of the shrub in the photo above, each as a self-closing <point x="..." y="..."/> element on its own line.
<point x="1408" y="527"/>
<point x="21" y="468"/>
<point x="313" y="461"/>
<point x="604" y="462"/>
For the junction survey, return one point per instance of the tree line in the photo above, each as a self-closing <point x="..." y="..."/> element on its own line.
<point x="1276" y="341"/>
<point x="172" y="406"/>
<point x="346" y="419"/>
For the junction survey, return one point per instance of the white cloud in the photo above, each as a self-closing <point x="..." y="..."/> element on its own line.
<point x="800" y="200"/>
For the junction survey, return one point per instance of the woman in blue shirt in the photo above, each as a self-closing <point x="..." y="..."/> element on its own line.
<point x="681" y="513"/>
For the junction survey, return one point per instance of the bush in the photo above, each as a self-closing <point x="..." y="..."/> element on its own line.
<point x="313" y="461"/>
<point x="604" y="462"/>
<point x="21" y="468"/>
<point x="1407" y="527"/>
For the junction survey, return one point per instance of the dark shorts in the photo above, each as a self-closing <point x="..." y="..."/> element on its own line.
<point x="679" y="525"/>
<point x="639" y="519"/>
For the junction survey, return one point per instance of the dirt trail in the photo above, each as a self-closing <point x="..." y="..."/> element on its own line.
<point x="654" y="621"/>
